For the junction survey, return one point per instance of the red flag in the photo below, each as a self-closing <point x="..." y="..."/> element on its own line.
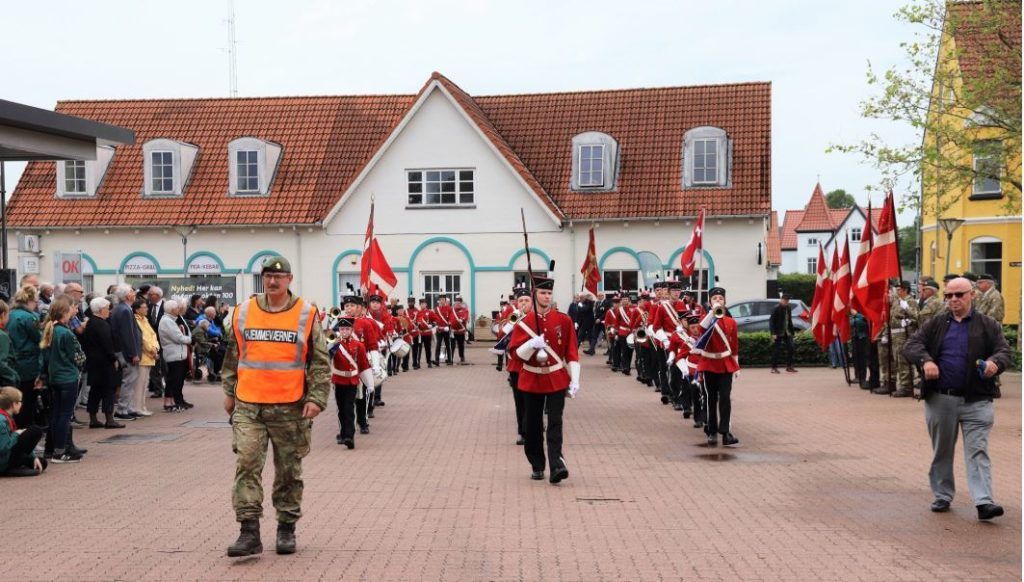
<point x="375" y="272"/>
<point x="858" y="294"/>
<point x="821" y="305"/>
<point x="841" y="304"/>
<point x="591" y="274"/>
<point x="688" y="260"/>
<point x="883" y="265"/>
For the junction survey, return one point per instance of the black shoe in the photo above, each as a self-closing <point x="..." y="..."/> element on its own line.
<point x="698" y="423"/>
<point x="521" y="440"/>
<point x="248" y="542"/>
<point x="113" y="424"/>
<point x="364" y="430"/>
<point x="537" y="475"/>
<point x="286" y="538"/>
<point x="881" y="391"/>
<point x="451" y="363"/>
<point x="625" y="372"/>
<point x="186" y="405"/>
<point x="559" y="474"/>
<point x="75" y="450"/>
<point x="498" y="368"/>
<point x="123" y="416"/>
<point x="339" y="440"/>
<point x="65" y="457"/>
<point x="614" y="369"/>
<point x="379" y="403"/>
<point x="728" y="440"/>
<point x="940" y="506"/>
<point x="369" y="414"/>
<point x="989" y="511"/>
<point x="589" y="352"/>
<point x="712" y="440"/>
<point x="686" y="413"/>
<point x="415" y="367"/>
<point x="664" y="399"/>
<point x="349" y="443"/>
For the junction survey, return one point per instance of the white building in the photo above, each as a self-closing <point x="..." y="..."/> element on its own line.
<point x="803" y="230"/>
<point x="212" y="185"/>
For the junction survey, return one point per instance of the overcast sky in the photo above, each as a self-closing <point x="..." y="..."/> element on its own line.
<point x="814" y="53"/>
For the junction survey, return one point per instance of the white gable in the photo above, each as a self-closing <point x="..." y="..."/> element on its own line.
<point x="437" y="134"/>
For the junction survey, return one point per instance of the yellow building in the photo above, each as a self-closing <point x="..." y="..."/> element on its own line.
<point x="984" y="213"/>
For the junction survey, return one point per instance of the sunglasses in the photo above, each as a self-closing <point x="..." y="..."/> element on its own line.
<point x="956" y="294"/>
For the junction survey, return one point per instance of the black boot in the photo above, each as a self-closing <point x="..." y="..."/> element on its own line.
<point x="248" y="542"/>
<point x="286" y="538"/>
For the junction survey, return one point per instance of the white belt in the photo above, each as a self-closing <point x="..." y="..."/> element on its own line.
<point x="898" y="330"/>
<point x="348" y="374"/>
<point x="544" y="370"/>
<point x="716" y="355"/>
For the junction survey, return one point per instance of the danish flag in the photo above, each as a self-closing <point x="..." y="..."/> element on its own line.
<point x="688" y="260"/>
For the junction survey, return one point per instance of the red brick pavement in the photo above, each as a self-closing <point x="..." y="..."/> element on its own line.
<point x="830" y="484"/>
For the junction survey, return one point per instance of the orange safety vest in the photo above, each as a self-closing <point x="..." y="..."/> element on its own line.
<point x="272" y="350"/>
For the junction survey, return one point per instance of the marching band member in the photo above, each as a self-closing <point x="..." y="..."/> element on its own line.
<point x="443" y="318"/>
<point x="349" y="367"/>
<point x="546" y="343"/>
<point x="505" y="310"/>
<point x="666" y="322"/>
<point x="382" y="316"/>
<point x="414" y="348"/>
<point x="460" y="325"/>
<point x="683" y="361"/>
<point x="642" y="344"/>
<point x="719" y="361"/>
<point x="626" y="317"/>
<point x="365" y="330"/>
<point x="523" y="305"/>
<point x="425" y="324"/>
<point x="403" y="329"/>
<point x="610" y="333"/>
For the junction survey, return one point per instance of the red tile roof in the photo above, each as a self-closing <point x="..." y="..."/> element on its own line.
<point x="787" y="234"/>
<point x="327" y="141"/>
<point x="988" y="45"/>
<point x="773" y="241"/>
<point x="817" y="215"/>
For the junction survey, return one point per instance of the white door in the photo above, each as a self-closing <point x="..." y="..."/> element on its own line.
<point x="436" y="284"/>
<point x="345" y="280"/>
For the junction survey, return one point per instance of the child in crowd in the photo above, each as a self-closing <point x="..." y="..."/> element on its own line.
<point x="17" y="445"/>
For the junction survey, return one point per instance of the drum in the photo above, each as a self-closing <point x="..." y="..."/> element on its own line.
<point x="379" y="375"/>
<point x="495" y="328"/>
<point x="631" y="340"/>
<point x="399" y="348"/>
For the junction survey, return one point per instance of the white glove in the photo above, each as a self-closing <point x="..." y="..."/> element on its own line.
<point x="574" y="379"/>
<point x="370" y="390"/>
<point x="537" y="343"/>
<point x="507" y="328"/>
<point x="574" y="387"/>
<point x="366" y="376"/>
<point x="671" y="358"/>
<point x="375" y="359"/>
<point x="904" y="304"/>
<point x="667" y="344"/>
<point x="904" y="323"/>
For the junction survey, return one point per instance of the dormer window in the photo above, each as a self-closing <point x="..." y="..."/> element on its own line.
<point x="594" y="162"/>
<point x="707" y="158"/>
<point x="252" y="165"/>
<point x="81" y="178"/>
<point x="168" y="166"/>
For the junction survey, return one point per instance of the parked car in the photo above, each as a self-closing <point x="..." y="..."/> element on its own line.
<point x="754" y="315"/>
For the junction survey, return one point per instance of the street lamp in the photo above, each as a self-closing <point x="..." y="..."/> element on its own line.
<point x="949" y="225"/>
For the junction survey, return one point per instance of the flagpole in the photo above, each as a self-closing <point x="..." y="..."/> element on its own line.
<point x="700" y="270"/>
<point x="369" y="256"/>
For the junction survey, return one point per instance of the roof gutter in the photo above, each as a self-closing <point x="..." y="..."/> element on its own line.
<point x="167" y="226"/>
<point x="658" y="218"/>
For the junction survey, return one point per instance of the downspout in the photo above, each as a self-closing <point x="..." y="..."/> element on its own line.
<point x="572" y="232"/>
<point x="298" y="258"/>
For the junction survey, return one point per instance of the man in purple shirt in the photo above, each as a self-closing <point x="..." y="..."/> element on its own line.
<point x="957" y="389"/>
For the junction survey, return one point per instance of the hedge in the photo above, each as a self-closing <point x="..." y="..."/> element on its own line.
<point x="798" y="285"/>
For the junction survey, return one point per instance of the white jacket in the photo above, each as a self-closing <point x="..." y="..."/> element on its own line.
<point x="173" y="343"/>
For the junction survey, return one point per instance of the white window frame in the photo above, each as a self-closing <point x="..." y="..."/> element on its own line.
<point x="183" y="157"/>
<point x="78" y="180"/>
<point x="588" y="161"/>
<point x="167" y="165"/>
<point x="856" y="234"/>
<point x="812" y="265"/>
<point x="268" y="158"/>
<point x="711" y="147"/>
<point x="94" y="170"/>
<point x="449" y="284"/>
<point x="247" y="171"/>
<point x="459" y="181"/>
<point x="978" y="265"/>
<point x="975" y="162"/>
<point x="812" y="241"/>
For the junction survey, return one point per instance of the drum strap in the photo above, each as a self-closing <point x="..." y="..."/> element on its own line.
<point x="348" y="357"/>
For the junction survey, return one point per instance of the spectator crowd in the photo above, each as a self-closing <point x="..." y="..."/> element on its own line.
<point x="62" y="350"/>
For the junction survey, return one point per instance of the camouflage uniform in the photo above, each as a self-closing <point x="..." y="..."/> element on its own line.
<point x="932" y="306"/>
<point x="281" y="424"/>
<point x="991" y="303"/>
<point x="903" y="324"/>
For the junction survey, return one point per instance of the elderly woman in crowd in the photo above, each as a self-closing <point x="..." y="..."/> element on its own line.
<point x="23" y="328"/>
<point x="150" y="350"/>
<point x="215" y="335"/>
<point x="101" y="364"/>
<point x="176" y="341"/>
<point x="61" y="357"/>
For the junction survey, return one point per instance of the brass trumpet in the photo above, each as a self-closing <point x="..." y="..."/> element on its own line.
<point x="331" y="337"/>
<point x="641" y="335"/>
<point x="718" y="311"/>
<point x="514" y="317"/>
<point x="335" y="312"/>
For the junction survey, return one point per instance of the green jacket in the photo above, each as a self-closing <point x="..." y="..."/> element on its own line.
<point x="57" y="362"/>
<point x="858" y="327"/>
<point x="7" y="441"/>
<point x="25" y="335"/>
<point x="8" y="375"/>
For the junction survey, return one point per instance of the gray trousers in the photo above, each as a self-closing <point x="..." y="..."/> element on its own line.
<point x="126" y="396"/>
<point x="944" y="415"/>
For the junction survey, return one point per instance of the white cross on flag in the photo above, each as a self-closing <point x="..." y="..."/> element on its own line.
<point x="375" y="272"/>
<point x="688" y="260"/>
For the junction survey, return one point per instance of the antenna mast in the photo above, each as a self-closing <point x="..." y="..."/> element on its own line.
<point x="232" y="53"/>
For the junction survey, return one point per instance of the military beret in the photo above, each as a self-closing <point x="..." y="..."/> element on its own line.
<point x="275" y="264"/>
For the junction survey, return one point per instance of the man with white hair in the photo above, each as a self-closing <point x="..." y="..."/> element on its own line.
<point x="128" y="346"/>
<point x="155" y="297"/>
<point x="45" y="298"/>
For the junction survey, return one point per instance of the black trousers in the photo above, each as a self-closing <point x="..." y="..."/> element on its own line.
<point x="535" y="434"/>
<point x="519" y="399"/>
<point x="719" y="391"/>
<point x="501" y="361"/>
<point x="444" y="339"/>
<point x="101" y="396"/>
<point x="417" y="347"/>
<point x="643" y="361"/>
<point x="21" y="453"/>
<point x="861" y="349"/>
<point x="345" y="397"/>
<point x="427" y="341"/>
<point x="783" y="342"/>
<point x="361" y="407"/>
<point x="176" y="372"/>
<point x="873" y="374"/>
<point x="33" y="406"/>
<point x="677" y="388"/>
<point x="156" y="377"/>
<point x="460" y="344"/>
<point x="611" y="349"/>
<point x="623" y="354"/>
<point x="661" y="365"/>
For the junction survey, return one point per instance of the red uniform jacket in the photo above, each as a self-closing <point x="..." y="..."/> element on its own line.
<point x="342" y="372"/>
<point x="443" y="317"/>
<point x="461" y="320"/>
<point x="609" y="321"/>
<point x="721" y="355"/>
<point x="560" y="335"/>
<point x="424" y="319"/>
<point x="413" y="314"/>
<point x="367" y="331"/>
<point x="679" y="344"/>
<point x="503" y="319"/>
<point x="665" y="317"/>
<point x="624" y="318"/>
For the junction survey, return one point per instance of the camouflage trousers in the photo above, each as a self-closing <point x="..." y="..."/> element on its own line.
<point x="253" y="426"/>
<point x="903" y="371"/>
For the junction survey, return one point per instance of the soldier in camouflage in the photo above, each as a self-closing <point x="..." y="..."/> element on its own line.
<point x="902" y="323"/>
<point x="990" y="301"/>
<point x="929" y="304"/>
<point x="273" y="391"/>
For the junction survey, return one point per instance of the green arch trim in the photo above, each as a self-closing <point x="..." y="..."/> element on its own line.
<point x="334" y="268"/>
<point x="534" y="251"/>
<point x="204" y="254"/>
<point x="469" y="256"/>
<point x="252" y="261"/>
<point x="131" y="256"/>
<point x="612" y="251"/>
<point x="673" y="263"/>
<point x="95" y="270"/>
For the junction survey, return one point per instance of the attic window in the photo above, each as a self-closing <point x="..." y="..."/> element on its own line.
<point x="252" y="166"/>
<point x="707" y="158"/>
<point x="82" y="178"/>
<point x="168" y="166"/>
<point x="594" y="162"/>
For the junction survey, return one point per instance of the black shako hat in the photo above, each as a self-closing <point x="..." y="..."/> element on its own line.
<point x="716" y="291"/>
<point x="345" y="322"/>
<point x="544" y="283"/>
<point x="352" y="299"/>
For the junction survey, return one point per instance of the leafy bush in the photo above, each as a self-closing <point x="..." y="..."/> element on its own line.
<point x="756" y="350"/>
<point x="798" y="285"/>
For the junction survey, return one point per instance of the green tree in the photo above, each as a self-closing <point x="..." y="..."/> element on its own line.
<point x="908" y="247"/>
<point x="949" y="104"/>
<point x="839" y="198"/>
